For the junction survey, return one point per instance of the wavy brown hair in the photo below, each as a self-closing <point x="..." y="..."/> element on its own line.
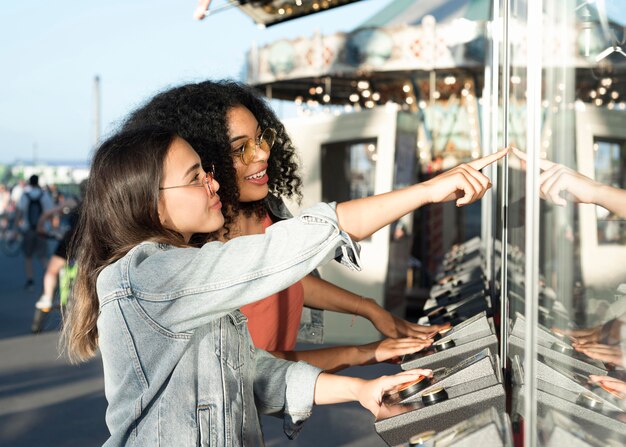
<point x="119" y="211"/>
<point x="197" y="112"/>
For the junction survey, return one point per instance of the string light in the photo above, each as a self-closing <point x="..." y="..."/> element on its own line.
<point x="449" y="80"/>
<point x="606" y="82"/>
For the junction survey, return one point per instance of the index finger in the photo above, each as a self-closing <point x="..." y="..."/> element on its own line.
<point x="544" y="164"/>
<point x="487" y="160"/>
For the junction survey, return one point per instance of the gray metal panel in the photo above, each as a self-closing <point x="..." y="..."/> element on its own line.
<point x="550" y="356"/>
<point x="452" y="356"/>
<point x="597" y="424"/>
<point x="464" y="399"/>
<point x="477" y="325"/>
<point x="550" y="377"/>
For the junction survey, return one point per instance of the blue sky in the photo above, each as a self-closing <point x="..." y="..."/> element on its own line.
<point x="51" y="51"/>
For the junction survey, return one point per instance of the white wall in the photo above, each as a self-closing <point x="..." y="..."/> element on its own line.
<point x="308" y="135"/>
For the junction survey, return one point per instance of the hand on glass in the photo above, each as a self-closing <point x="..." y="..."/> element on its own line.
<point x="611" y="383"/>
<point x="560" y="184"/>
<point x="557" y="179"/>
<point x="465" y="183"/>
<point x="605" y="353"/>
<point x="391" y="326"/>
<point x="371" y="392"/>
<point x="581" y="336"/>
<point x="391" y="349"/>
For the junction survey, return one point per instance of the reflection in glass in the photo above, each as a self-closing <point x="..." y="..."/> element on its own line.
<point x="570" y="128"/>
<point x="348" y="170"/>
<point x="610" y="170"/>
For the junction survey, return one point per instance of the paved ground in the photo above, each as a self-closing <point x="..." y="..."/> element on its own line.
<point x="44" y="401"/>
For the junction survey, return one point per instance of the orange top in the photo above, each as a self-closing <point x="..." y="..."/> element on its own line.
<point x="274" y="321"/>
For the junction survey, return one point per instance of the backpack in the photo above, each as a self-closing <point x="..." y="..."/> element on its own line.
<point x="34" y="210"/>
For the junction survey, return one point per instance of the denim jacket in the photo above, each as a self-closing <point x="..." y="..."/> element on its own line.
<point x="180" y="368"/>
<point x="312" y="320"/>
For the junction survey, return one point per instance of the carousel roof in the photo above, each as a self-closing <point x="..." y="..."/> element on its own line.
<point x="393" y="50"/>
<point x="410" y="12"/>
<point x="273" y="12"/>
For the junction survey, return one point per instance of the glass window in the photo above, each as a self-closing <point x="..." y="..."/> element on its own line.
<point x="562" y="77"/>
<point x="609" y="170"/>
<point x="348" y="170"/>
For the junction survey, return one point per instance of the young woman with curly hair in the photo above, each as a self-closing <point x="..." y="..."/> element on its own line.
<point x="231" y="126"/>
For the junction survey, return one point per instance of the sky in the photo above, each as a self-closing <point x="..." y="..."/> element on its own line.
<point x="52" y="50"/>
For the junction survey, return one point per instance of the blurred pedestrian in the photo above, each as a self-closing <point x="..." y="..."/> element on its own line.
<point x="33" y="203"/>
<point x="17" y="191"/>
<point x="60" y="257"/>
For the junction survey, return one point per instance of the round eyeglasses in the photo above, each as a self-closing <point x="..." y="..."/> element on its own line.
<point x="247" y="151"/>
<point x="206" y="183"/>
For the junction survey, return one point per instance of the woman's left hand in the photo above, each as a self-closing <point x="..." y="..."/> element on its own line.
<point x="371" y="392"/>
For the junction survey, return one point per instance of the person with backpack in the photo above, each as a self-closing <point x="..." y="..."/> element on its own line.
<point x="33" y="203"/>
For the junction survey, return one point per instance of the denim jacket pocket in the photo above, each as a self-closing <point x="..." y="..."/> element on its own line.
<point x="232" y="346"/>
<point x="206" y="426"/>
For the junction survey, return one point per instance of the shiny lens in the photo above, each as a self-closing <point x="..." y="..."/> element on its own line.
<point x="249" y="149"/>
<point x="265" y="143"/>
<point x="268" y="139"/>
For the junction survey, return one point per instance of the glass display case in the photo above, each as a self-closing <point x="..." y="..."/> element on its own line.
<point x="554" y="227"/>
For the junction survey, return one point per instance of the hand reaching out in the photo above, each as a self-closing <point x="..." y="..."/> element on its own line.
<point x="394" y="327"/>
<point x="557" y="179"/>
<point x="391" y="349"/>
<point x="560" y="184"/>
<point x="201" y="10"/>
<point x="581" y="336"/>
<point x="611" y="383"/>
<point x="464" y="183"/>
<point x="371" y="393"/>
<point x="605" y="353"/>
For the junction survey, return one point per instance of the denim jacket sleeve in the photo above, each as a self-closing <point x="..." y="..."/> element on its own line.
<point x="183" y="288"/>
<point x="286" y="389"/>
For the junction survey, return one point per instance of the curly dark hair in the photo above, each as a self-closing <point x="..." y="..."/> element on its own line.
<point x="197" y="112"/>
